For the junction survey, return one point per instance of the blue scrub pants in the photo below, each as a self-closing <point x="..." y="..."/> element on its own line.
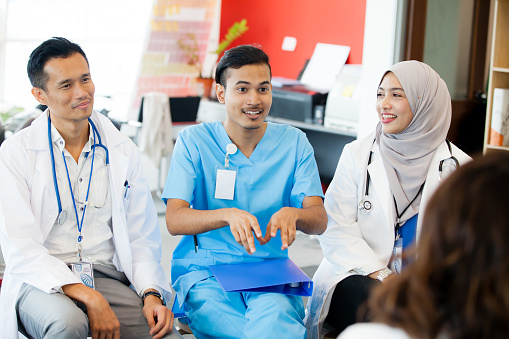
<point x="213" y="313"/>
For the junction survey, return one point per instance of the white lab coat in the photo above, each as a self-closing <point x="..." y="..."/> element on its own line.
<point x="373" y="330"/>
<point x="29" y="208"/>
<point x="354" y="242"/>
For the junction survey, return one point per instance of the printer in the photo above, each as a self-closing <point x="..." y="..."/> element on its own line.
<point x="299" y="103"/>
<point x="343" y="102"/>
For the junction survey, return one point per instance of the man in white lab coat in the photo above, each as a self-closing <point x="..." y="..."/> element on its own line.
<point x="78" y="227"/>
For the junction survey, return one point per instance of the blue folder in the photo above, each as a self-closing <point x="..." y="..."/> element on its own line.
<point x="177" y="311"/>
<point x="276" y="276"/>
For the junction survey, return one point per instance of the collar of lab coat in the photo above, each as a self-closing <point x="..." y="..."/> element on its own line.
<point x="38" y="135"/>
<point x="380" y="184"/>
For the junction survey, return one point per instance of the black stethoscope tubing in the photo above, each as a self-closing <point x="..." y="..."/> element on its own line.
<point x="366" y="204"/>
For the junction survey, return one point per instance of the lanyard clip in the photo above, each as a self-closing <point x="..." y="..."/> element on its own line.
<point x="230" y="149"/>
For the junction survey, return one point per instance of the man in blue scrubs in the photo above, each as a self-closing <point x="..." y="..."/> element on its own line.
<point x="237" y="191"/>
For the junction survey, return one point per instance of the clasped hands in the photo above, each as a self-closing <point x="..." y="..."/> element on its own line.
<point x="244" y="227"/>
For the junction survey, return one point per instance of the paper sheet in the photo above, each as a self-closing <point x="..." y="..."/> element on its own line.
<point x="324" y="66"/>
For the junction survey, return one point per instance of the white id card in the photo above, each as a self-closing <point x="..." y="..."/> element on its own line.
<point x="83" y="270"/>
<point x="396" y="262"/>
<point x="225" y="183"/>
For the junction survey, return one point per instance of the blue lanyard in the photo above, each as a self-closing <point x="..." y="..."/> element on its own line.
<point x="78" y="221"/>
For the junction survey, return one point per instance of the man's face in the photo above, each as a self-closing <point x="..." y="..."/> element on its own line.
<point x="69" y="91"/>
<point x="247" y="96"/>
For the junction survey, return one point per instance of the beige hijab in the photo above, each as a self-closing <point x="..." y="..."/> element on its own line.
<point x="407" y="155"/>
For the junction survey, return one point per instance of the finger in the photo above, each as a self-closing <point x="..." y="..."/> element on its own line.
<point x="159" y="324"/>
<point x="150" y="319"/>
<point x="236" y="235"/>
<point x="166" y="326"/>
<point x="284" y="237"/>
<point x="268" y="232"/>
<point x="256" y="229"/>
<point x="117" y="334"/>
<point x="243" y="240"/>
<point x="292" y="232"/>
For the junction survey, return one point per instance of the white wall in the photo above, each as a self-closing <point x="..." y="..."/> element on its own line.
<point x="382" y="38"/>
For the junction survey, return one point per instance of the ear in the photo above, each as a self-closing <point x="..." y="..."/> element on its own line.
<point x="38" y="93"/>
<point x="220" y="91"/>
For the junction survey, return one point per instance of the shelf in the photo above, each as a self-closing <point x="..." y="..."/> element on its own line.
<point x="493" y="149"/>
<point x="499" y="69"/>
<point x="309" y="126"/>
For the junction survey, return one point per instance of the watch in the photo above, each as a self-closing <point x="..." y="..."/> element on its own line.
<point x="155" y="294"/>
<point x="383" y="273"/>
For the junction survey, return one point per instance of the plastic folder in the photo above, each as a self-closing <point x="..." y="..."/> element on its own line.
<point x="277" y="276"/>
<point x="177" y="311"/>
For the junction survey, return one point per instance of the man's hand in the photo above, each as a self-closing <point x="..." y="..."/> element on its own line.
<point x="159" y="317"/>
<point x="102" y="319"/>
<point x="284" y="220"/>
<point x="242" y="225"/>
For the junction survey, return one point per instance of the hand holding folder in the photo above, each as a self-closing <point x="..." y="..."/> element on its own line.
<point x="276" y="276"/>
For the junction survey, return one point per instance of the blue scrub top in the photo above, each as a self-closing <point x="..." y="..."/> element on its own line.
<point x="280" y="172"/>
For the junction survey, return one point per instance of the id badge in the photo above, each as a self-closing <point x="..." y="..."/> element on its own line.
<point x="83" y="271"/>
<point x="397" y="251"/>
<point x="225" y="182"/>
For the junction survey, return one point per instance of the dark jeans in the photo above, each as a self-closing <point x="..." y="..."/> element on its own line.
<point x="348" y="301"/>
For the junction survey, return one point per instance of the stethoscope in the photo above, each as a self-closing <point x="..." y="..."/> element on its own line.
<point x="62" y="215"/>
<point x="365" y="205"/>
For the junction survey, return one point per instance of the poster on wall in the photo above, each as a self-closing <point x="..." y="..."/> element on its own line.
<point x="166" y="65"/>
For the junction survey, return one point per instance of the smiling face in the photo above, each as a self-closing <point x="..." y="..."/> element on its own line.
<point x="392" y="105"/>
<point x="69" y="92"/>
<point x="247" y="97"/>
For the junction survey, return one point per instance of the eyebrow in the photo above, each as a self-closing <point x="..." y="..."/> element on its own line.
<point x="392" y="89"/>
<point x="70" y="80"/>
<point x="248" y="83"/>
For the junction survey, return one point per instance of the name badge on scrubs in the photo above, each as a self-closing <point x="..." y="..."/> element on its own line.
<point x="225" y="177"/>
<point x="84" y="272"/>
<point x="397" y="251"/>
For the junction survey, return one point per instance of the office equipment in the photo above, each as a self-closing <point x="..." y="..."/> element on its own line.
<point x="182" y="109"/>
<point x="276" y="276"/>
<point x="324" y="66"/>
<point x="296" y="103"/>
<point x="342" y="107"/>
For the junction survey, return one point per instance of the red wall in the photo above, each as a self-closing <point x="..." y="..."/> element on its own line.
<point x="339" y="22"/>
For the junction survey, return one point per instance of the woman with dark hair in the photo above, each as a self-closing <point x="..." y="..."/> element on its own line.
<point x="381" y="185"/>
<point x="458" y="286"/>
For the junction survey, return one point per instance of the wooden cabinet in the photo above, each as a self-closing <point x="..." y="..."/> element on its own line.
<point x="499" y="66"/>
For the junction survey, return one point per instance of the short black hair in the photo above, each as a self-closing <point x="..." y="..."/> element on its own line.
<point x="55" y="47"/>
<point x="237" y="57"/>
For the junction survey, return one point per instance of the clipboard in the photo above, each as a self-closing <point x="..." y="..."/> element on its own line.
<point x="268" y="276"/>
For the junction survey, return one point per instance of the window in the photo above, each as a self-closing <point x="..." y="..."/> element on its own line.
<point x="111" y="33"/>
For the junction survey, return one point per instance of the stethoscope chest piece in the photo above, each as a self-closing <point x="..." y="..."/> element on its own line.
<point x="365" y="206"/>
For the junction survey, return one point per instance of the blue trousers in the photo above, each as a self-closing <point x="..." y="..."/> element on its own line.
<point x="213" y="313"/>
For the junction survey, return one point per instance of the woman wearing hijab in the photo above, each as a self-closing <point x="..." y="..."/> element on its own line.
<point x="382" y="183"/>
<point x="457" y="288"/>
